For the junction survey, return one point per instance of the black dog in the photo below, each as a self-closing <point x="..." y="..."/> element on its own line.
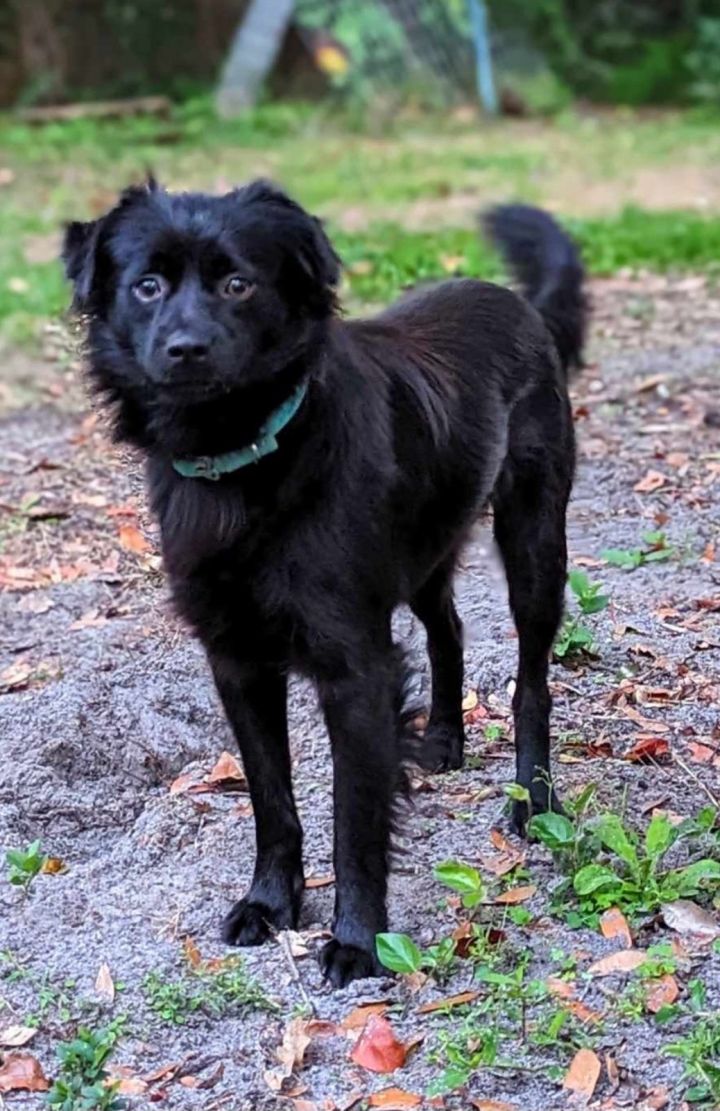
<point x="311" y="473"/>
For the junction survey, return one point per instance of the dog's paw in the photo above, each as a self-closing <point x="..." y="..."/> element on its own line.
<point x="251" y="923"/>
<point x="441" y="749"/>
<point x="520" y="815"/>
<point x="341" y="964"/>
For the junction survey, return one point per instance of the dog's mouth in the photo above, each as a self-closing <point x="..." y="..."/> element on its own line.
<point x="187" y="390"/>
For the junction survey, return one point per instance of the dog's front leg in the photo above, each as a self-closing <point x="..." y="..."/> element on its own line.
<point x="255" y="701"/>
<point x="363" y="722"/>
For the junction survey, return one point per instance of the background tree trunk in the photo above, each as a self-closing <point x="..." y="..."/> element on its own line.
<point x="252" y="54"/>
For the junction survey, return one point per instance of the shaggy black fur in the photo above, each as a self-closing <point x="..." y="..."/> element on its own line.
<point x="203" y="315"/>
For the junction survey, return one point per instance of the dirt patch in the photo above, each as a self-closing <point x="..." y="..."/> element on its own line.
<point x="107" y="702"/>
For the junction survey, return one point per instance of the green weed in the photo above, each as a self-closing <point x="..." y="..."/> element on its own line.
<point x="608" y="864"/>
<point x="575" y="639"/>
<point x="81" y="1084"/>
<point x="211" y="992"/>
<point x="24" y="865"/>
<point x="655" y="550"/>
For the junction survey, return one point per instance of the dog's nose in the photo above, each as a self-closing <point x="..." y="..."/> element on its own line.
<point x="184" y="347"/>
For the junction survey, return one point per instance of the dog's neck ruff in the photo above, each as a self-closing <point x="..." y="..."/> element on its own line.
<point x="213" y="467"/>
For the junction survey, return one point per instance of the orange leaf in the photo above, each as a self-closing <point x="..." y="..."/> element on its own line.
<point x="660" y="993"/>
<point x="648" y="751"/>
<point x="183" y="783"/>
<point x="319" y="881"/>
<point x="582" y="1012"/>
<point x="22" y="1072"/>
<point x="53" y="865"/>
<point x="449" y="1001"/>
<point x="653" y="480"/>
<point x="492" y="1105"/>
<point x="516" y="895"/>
<point x="561" y="989"/>
<point x="191" y="953"/>
<point x="227" y="773"/>
<point x="131" y="1086"/>
<point x="133" y="540"/>
<point x="625" y="960"/>
<point x="614" y="924"/>
<point x="584" y="1073"/>
<point x="104" y="986"/>
<point x="377" y="1048"/>
<point x="395" y="1099"/>
<point x="358" y="1017"/>
<point x="701" y="754"/>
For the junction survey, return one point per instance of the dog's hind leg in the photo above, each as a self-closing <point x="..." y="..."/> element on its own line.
<point x="529" y="506"/>
<point x="433" y="604"/>
<point x="254" y="698"/>
<point x="362" y="711"/>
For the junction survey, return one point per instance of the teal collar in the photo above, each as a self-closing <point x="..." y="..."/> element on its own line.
<point x="214" y="467"/>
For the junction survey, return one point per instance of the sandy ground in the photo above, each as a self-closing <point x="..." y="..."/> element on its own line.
<point x="106" y="701"/>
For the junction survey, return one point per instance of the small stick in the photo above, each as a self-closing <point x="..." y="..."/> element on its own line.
<point x="696" y="779"/>
<point x="294" y="971"/>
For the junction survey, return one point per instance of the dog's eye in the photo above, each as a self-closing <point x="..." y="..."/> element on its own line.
<point x="237" y="288"/>
<point x="149" y="288"/>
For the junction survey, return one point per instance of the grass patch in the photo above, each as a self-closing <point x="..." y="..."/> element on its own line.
<point x="202" y="990"/>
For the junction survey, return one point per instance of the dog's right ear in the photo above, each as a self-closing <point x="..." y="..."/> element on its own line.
<point x="79" y="256"/>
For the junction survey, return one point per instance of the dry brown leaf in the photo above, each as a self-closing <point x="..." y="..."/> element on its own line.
<point x="516" y="895"/>
<point x="508" y="856"/>
<point x="358" y="1017"/>
<point x="701" y="754"/>
<point x="183" y="783"/>
<point x="686" y="917"/>
<point x="661" y="993"/>
<point x="655" y="1100"/>
<point x="493" y="1105"/>
<point x="14" y="1036"/>
<point x="319" y="881"/>
<point x="395" y="1099"/>
<point x="653" y="480"/>
<point x="470" y="701"/>
<point x="22" y="1072"/>
<point x="649" y="750"/>
<point x="377" y="1048"/>
<point x="583" y="1074"/>
<point x="613" y="1072"/>
<point x="165" y="1072"/>
<point x="449" y="1001"/>
<point x="191" y="953"/>
<point x="227" y="773"/>
<point x="104" y="985"/>
<point x="133" y="540"/>
<point x="561" y="989"/>
<point x="613" y="924"/>
<point x="290" y="1054"/>
<point x="625" y="960"/>
<point x="131" y="1086"/>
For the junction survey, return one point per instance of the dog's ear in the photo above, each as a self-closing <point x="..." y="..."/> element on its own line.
<point x="309" y="251"/>
<point x="79" y="254"/>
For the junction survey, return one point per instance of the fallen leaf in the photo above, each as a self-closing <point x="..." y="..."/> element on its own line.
<point x="104" y="985"/>
<point x="561" y="989"/>
<point x="131" y="1086"/>
<point x="17" y="1035"/>
<point x="449" y="1001"/>
<point x="492" y="1105"/>
<point x="357" y="1018"/>
<point x="613" y="1072"/>
<point x="583" y="1013"/>
<point x="653" y="480"/>
<point x="583" y="1074"/>
<point x="321" y="1028"/>
<point x="625" y="960"/>
<point x="701" y="754"/>
<point x="133" y="540"/>
<point x="613" y="924"/>
<point x="395" y="1099"/>
<point x="507" y="858"/>
<point x="649" y="750"/>
<point x="227" y="773"/>
<point x="163" y="1073"/>
<point x="377" y="1048"/>
<point x="470" y="701"/>
<point x="686" y="917"/>
<point x="22" y="1072"/>
<point x="656" y="1100"/>
<point x="290" y="1054"/>
<point x="319" y="881"/>
<point x="53" y="866"/>
<point x="661" y="993"/>
<point x="183" y="783"/>
<point x="516" y="895"/>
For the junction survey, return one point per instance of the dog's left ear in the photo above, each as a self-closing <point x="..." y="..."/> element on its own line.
<point x="79" y="252"/>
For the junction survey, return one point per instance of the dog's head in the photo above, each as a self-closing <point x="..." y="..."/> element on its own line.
<point x="191" y="296"/>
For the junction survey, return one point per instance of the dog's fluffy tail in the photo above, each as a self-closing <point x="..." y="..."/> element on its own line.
<point x="547" y="264"/>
